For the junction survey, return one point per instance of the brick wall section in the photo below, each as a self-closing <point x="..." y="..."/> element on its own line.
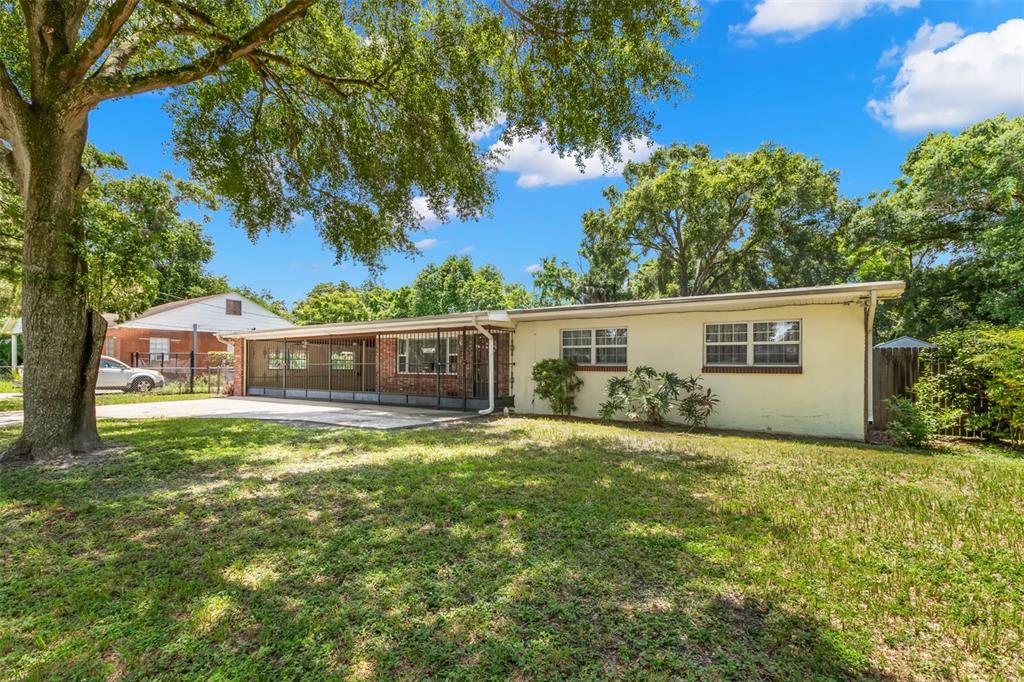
<point x="128" y="340"/>
<point x="238" y="381"/>
<point x="458" y="384"/>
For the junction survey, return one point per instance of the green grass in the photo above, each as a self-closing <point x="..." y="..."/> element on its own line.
<point x="531" y="549"/>
<point x="9" y="404"/>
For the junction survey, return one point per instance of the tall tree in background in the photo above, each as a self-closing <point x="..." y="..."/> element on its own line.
<point x="953" y="228"/>
<point x="328" y="302"/>
<point x="765" y="219"/>
<point x="138" y="248"/>
<point x="455" y="286"/>
<point x="604" y="275"/>
<point x="342" y="111"/>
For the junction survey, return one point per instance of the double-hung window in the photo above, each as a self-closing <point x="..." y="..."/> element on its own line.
<point x="159" y="349"/>
<point x="297" y="359"/>
<point x="342" y="360"/>
<point x="753" y="344"/>
<point x="428" y="355"/>
<point x="595" y="347"/>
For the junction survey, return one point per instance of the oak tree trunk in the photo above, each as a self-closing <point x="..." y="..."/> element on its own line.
<point x="62" y="335"/>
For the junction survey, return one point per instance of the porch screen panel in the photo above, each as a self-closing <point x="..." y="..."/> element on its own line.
<point x="318" y="365"/>
<point x="264" y="364"/>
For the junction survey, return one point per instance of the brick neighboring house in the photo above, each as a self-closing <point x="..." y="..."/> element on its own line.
<point x="165" y="331"/>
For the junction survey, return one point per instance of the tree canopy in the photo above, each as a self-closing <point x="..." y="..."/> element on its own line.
<point x="323" y="106"/>
<point x="698" y="224"/>
<point x="453" y="286"/>
<point x="952" y="226"/>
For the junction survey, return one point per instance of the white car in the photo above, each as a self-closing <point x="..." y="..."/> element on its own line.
<point x="114" y="374"/>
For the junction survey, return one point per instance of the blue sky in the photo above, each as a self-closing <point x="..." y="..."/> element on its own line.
<point x="854" y="82"/>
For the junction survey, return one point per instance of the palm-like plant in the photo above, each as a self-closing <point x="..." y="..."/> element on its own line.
<point x="646" y="395"/>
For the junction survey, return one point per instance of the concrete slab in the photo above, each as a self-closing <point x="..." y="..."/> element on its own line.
<point x="270" y="409"/>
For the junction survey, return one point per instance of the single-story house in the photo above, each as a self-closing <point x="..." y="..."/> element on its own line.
<point x="787" y="360"/>
<point x="163" y="333"/>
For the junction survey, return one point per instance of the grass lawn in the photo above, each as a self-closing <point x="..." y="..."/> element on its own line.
<point x="9" y="404"/>
<point x="514" y="548"/>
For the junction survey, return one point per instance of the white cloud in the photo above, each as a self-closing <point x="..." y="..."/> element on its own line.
<point x="948" y="80"/>
<point x="484" y="130"/>
<point x="538" y="165"/>
<point x="466" y="249"/>
<point x="931" y="38"/>
<point x="799" y="18"/>
<point x="427" y="217"/>
<point x="535" y="267"/>
<point x="427" y="243"/>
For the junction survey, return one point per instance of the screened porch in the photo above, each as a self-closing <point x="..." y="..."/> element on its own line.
<point x="443" y="368"/>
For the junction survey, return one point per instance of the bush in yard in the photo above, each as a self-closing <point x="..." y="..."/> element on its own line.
<point x="646" y="395"/>
<point x="220" y="358"/>
<point x="974" y="380"/>
<point x="909" y="424"/>
<point x="698" y="403"/>
<point x="557" y="383"/>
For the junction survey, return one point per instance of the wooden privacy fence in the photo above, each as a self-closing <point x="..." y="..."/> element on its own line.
<point x="895" y="370"/>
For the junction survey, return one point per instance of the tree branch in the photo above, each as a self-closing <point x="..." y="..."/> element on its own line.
<point x="110" y="87"/>
<point x="12" y="106"/>
<point x="103" y="34"/>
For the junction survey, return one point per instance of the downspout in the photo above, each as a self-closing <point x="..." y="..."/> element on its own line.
<point x="870" y="339"/>
<point x="490" y="366"/>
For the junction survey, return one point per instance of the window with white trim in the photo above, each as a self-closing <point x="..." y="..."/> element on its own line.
<point x="428" y="355"/>
<point x="297" y="359"/>
<point x="159" y="348"/>
<point x="753" y="344"/>
<point x="605" y="346"/>
<point x="275" y="359"/>
<point x="343" y="359"/>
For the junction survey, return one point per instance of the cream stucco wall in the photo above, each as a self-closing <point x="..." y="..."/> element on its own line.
<point x="826" y="399"/>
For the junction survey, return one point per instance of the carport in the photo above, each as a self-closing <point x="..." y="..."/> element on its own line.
<point x="453" y="362"/>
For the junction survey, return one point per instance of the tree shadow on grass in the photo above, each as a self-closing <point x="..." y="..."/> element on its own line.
<point x="471" y="552"/>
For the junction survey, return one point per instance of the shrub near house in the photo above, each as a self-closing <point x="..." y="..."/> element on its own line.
<point x="981" y="386"/>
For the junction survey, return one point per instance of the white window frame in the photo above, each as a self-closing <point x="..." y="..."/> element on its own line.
<point x="593" y="345"/>
<point x="750" y="343"/>
<point x="275" y="360"/>
<point x="449" y="341"/>
<point x="343" y="357"/>
<point x="297" y="354"/>
<point x="165" y="354"/>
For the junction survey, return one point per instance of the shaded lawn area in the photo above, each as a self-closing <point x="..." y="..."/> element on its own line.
<point x="523" y="548"/>
<point x="10" y="404"/>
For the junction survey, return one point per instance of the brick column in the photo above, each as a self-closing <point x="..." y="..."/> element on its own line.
<point x="238" y="385"/>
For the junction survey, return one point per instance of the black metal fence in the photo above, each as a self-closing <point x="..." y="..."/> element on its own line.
<point x="211" y="373"/>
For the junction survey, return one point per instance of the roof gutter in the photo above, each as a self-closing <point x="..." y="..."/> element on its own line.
<point x="870" y="344"/>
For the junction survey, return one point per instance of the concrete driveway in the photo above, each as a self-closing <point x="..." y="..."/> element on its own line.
<point x="308" y="411"/>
